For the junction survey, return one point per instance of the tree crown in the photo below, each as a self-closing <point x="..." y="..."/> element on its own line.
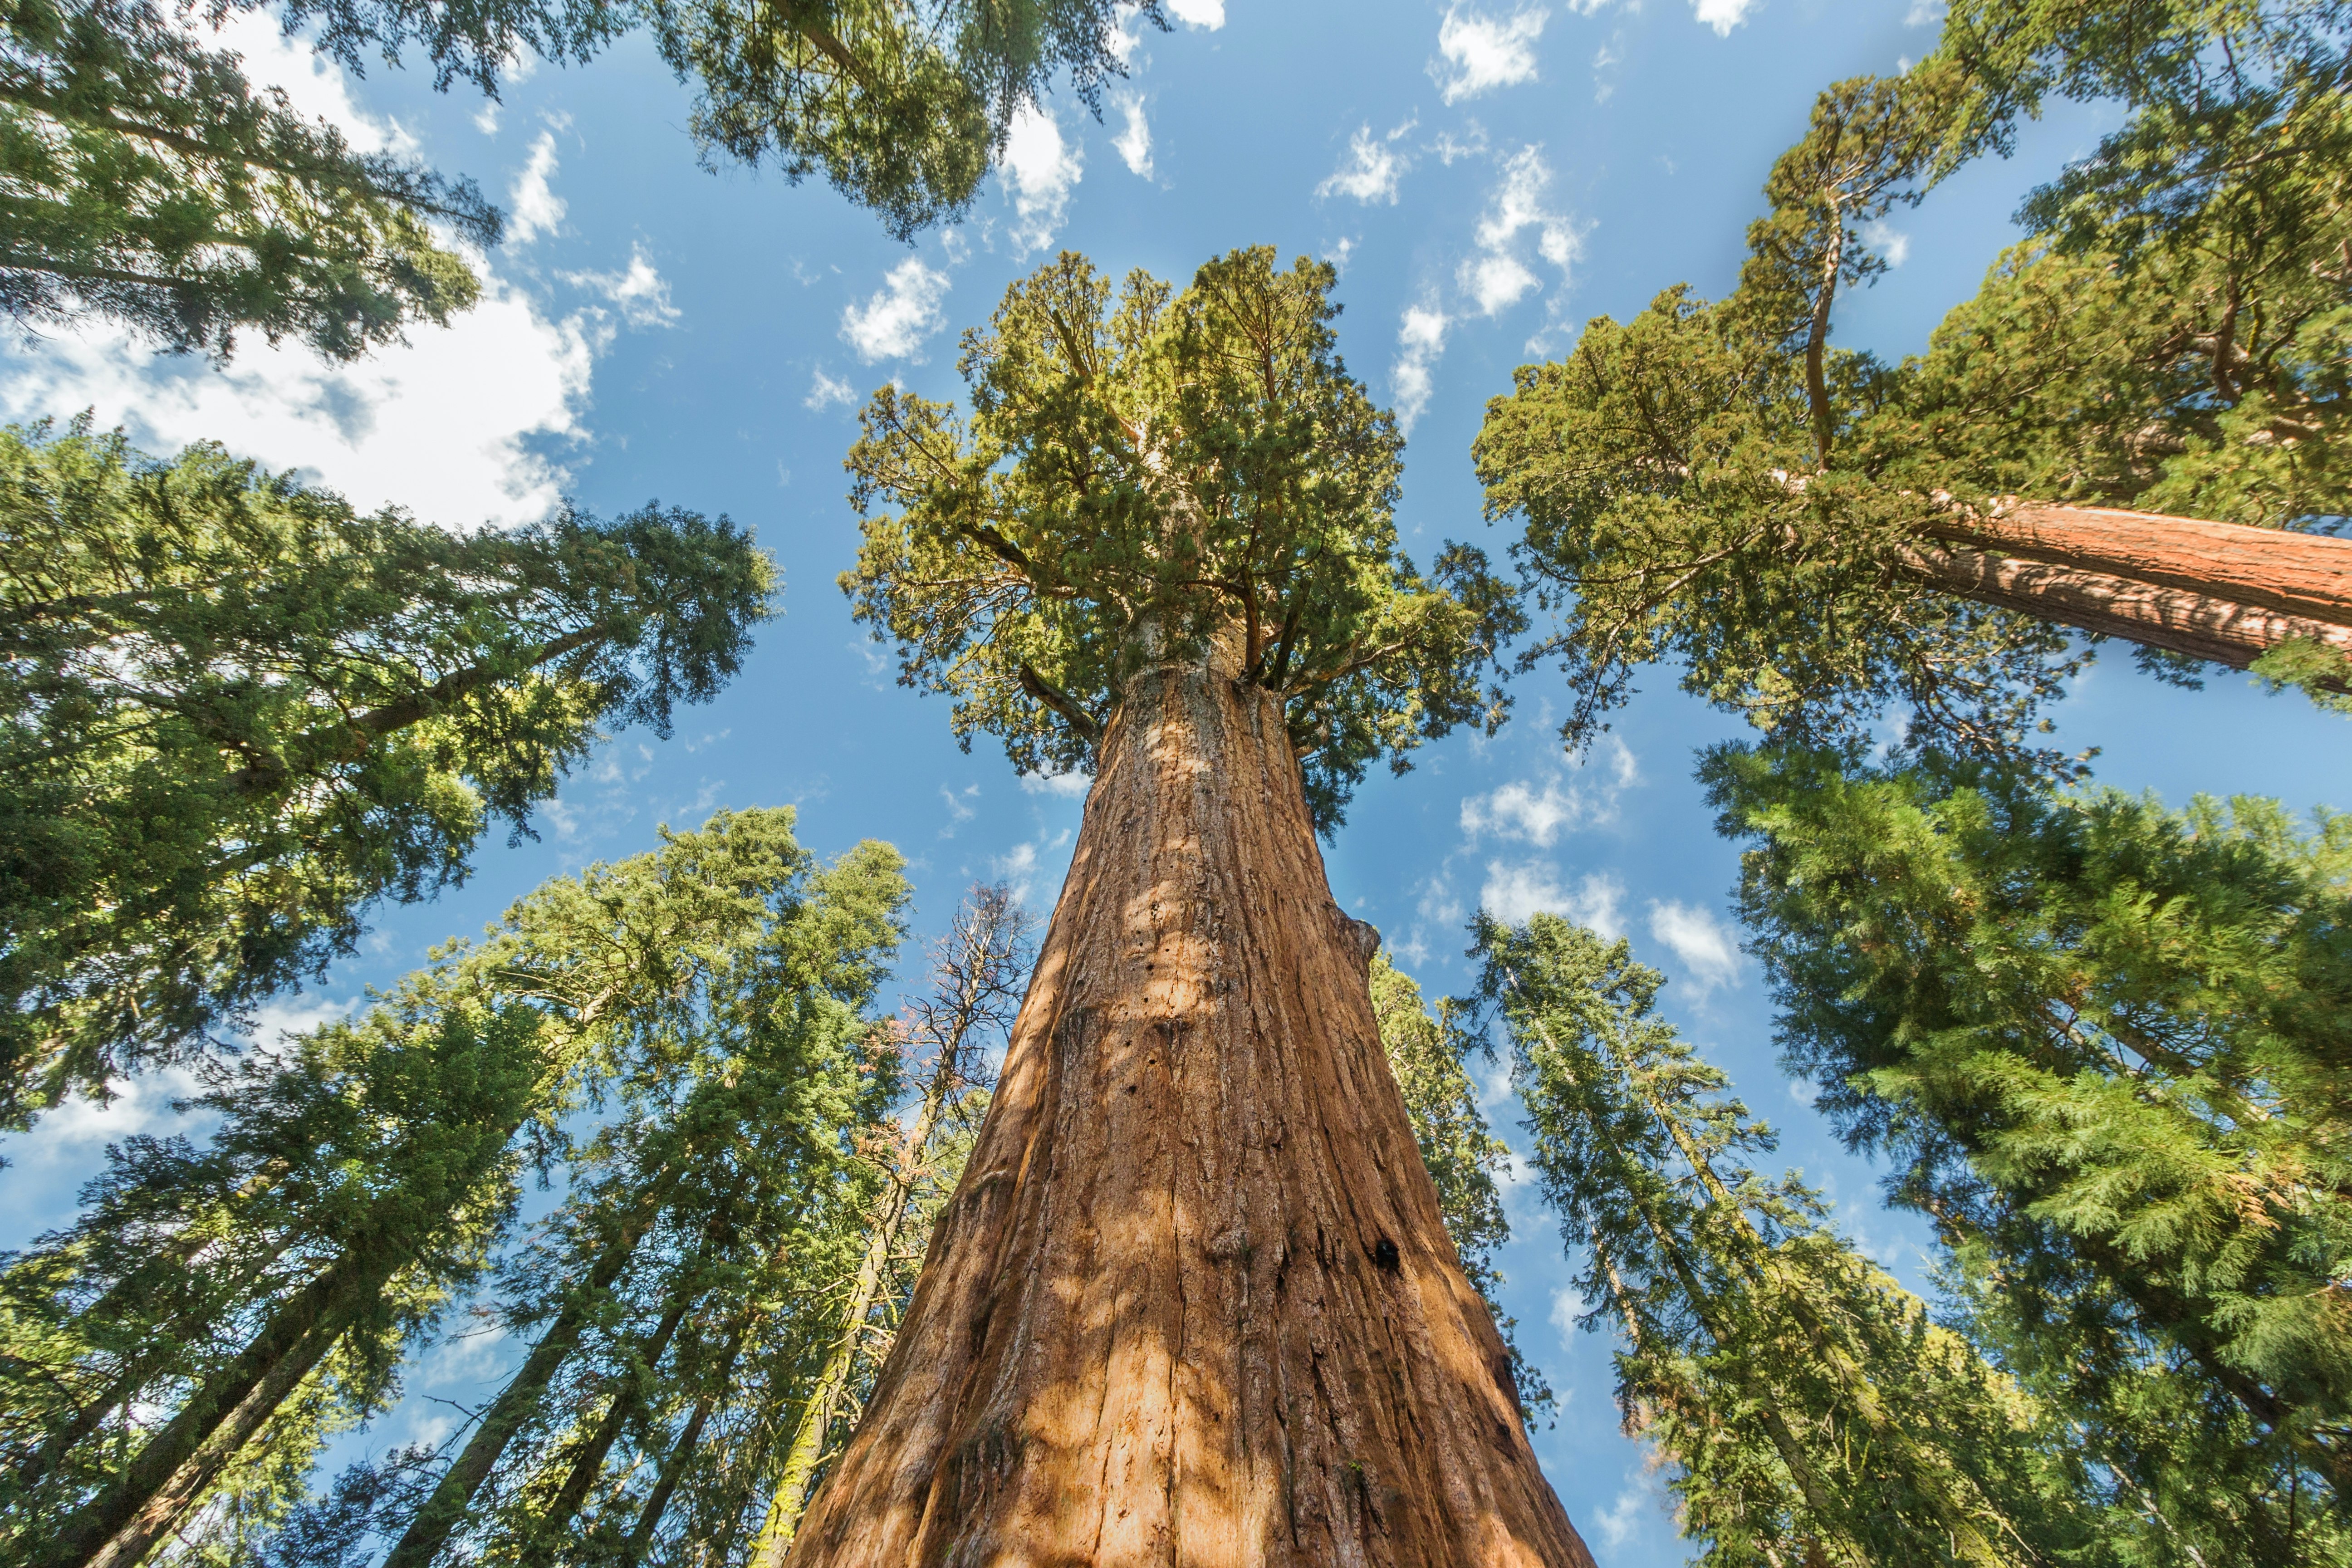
<point x="1169" y="477"/>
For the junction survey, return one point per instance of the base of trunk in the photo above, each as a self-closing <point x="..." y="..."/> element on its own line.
<point x="1193" y="1302"/>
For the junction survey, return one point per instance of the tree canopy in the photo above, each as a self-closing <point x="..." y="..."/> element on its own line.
<point x="1150" y="479"/>
<point x="238" y="712"/>
<point x="1719" y="485"/>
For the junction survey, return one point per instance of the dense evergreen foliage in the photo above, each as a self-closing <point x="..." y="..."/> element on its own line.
<point x="2104" y="1047"/>
<point x="174" y="1358"/>
<point x="144" y="181"/>
<point x="1152" y="477"/>
<point x="1812" y="1410"/>
<point x="234" y="712"/>
<point x="1718" y="485"/>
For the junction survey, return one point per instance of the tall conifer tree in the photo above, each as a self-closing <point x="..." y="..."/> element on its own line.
<point x="1812" y="1410"/>
<point x="2103" y="1045"/>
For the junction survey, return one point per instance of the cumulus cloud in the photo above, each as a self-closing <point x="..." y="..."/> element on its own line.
<point x="536" y="209"/>
<point x="905" y="310"/>
<point x="476" y="394"/>
<point x="1021" y="868"/>
<point x="1721" y="15"/>
<point x="1041" y="167"/>
<point x="1482" y="53"/>
<point x="1208" y="13"/>
<point x="827" y="391"/>
<point x="1497" y="277"/>
<point x="1708" y="949"/>
<point x="1371" y="169"/>
<point x="1512" y="893"/>
<point x="1421" y="338"/>
<point x="1133" y="142"/>
<point x="1563" y="803"/>
<point x="639" y="292"/>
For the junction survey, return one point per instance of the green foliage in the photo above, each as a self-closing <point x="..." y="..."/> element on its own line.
<point x="1812" y="1410"/>
<point x="904" y="107"/>
<point x="1150" y="482"/>
<point x="712" y="987"/>
<point x="2106" y="1046"/>
<point x="1715" y="485"/>
<point x="238" y="712"/>
<point x="1462" y="1153"/>
<point x="144" y="181"/>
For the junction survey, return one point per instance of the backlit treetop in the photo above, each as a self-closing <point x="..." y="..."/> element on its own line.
<point x="1164" y="477"/>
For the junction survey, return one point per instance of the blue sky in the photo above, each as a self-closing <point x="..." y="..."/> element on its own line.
<point x="1487" y="180"/>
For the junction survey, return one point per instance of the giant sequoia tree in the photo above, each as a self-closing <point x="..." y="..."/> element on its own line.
<point x="1193" y="1298"/>
<point x="1813" y="534"/>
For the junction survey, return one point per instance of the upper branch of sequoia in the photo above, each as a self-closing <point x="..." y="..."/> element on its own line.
<point x="1151" y="477"/>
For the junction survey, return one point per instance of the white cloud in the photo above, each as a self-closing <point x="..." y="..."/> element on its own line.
<point x="1209" y="14"/>
<point x="472" y="394"/>
<point x="1339" y="250"/>
<point x="1421" y="338"/>
<point x="1539" y="817"/>
<point x="1567" y="1306"/>
<point x="827" y="392"/>
<point x="1924" y="14"/>
<point x="1494" y="283"/>
<point x="1041" y="167"/>
<point x="904" y="312"/>
<point x="1069" y="786"/>
<point x="1450" y="147"/>
<point x="1483" y="52"/>
<point x="1620" y="1519"/>
<point x="960" y="807"/>
<point x="485" y="119"/>
<point x="537" y="208"/>
<point x="1372" y="168"/>
<point x="1133" y="142"/>
<point x="1804" y="1091"/>
<point x="1512" y="893"/>
<point x="1499" y="276"/>
<point x="1888" y="241"/>
<point x="1722" y="14"/>
<point x="640" y="293"/>
<point x="1021" y="868"/>
<point x="1707" y="948"/>
<point x="315" y="85"/>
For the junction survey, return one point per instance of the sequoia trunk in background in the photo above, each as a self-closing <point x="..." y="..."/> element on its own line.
<point x="1193" y="1301"/>
<point x="2218" y="590"/>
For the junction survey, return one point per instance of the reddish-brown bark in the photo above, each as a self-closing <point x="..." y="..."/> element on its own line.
<point x="2299" y="574"/>
<point x="2217" y="591"/>
<point x="1193" y="1301"/>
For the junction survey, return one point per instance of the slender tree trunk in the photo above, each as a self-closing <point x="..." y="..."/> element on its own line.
<point x="2216" y="591"/>
<point x="429" y="1528"/>
<point x="588" y="1463"/>
<point x="1193" y="1301"/>
<point x="122" y="1524"/>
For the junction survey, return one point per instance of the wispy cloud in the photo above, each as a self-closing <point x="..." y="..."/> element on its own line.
<point x="905" y="310"/>
<point x="1498" y="276"/>
<point x="1042" y="167"/>
<point x="1512" y="893"/>
<point x="827" y="391"/>
<point x="1207" y="13"/>
<point x="1482" y="53"/>
<point x="638" y="292"/>
<point x="537" y="208"/>
<point x="1708" y="949"/>
<point x="1421" y="338"/>
<point x="1538" y="813"/>
<point x="1133" y="143"/>
<point x="1373" y="166"/>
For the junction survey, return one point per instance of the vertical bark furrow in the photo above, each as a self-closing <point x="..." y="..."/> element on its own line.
<point x="1193" y="1302"/>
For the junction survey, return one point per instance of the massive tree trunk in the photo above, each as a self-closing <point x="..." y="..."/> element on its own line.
<point x="1193" y="1301"/>
<point x="2217" y="591"/>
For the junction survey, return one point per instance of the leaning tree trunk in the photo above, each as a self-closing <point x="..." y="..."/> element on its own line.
<point x="1193" y="1301"/>
<point x="2218" y="590"/>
